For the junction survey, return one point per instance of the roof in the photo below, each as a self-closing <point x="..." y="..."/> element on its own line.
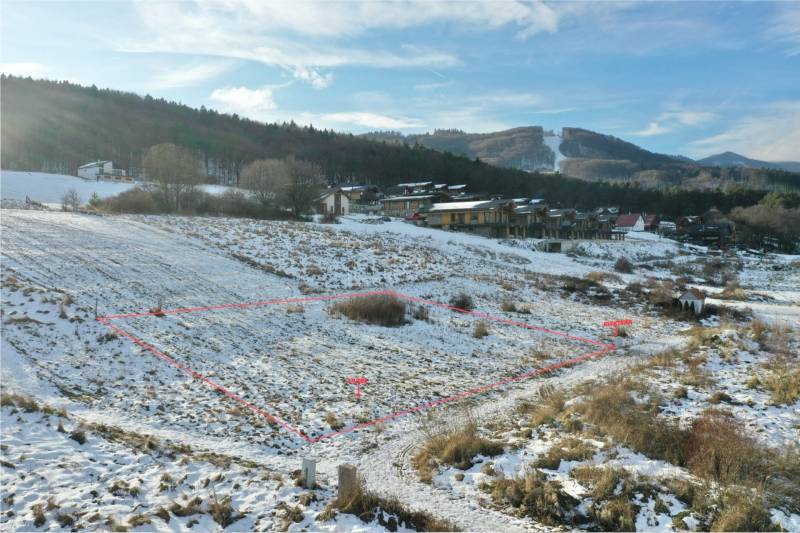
<point x="693" y="294"/>
<point x="94" y="164"/>
<point x="409" y="197"/>
<point x="418" y="184"/>
<point x="628" y="221"/>
<point x="460" y="206"/>
<point x="356" y="188"/>
<point x="649" y="220"/>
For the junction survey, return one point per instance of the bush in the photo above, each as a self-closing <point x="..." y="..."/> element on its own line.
<point x="136" y="200"/>
<point x="78" y="435"/>
<point x="623" y="265"/>
<point x="480" y="330"/>
<point x="368" y="507"/>
<point x="614" y="411"/>
<point x="719" y="449"/>
<point x="456" y="448"/>
<point x="741" y="510"/>
<point x="535" y="496"/>
<point x="380" y="309"/>
<point x="569" y="449"/>
<point x="783" y="382"/>
<point x="222" y="511"/>
<point x="462" y="302"/>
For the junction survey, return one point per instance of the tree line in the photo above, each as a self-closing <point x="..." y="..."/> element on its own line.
<point x="56" y="126"/>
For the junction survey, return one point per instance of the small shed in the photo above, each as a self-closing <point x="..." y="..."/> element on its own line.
<point x="333" y="203"/>
<point x="693" y="299"/>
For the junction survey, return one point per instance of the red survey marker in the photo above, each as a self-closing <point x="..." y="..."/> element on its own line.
<point x="358" y="382"/>
<point x="599" y="350"/>
<point x="616" y="324"/>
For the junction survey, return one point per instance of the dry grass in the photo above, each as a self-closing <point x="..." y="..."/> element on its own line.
<point x="535" y="496"/>
<point x="222" y="511"/>
<point x="732" y="291"/>
<point x="333" y="422"/>
<point x="719" y="449"/>
<point x="456" y="448"/>
<point x="783" y="381"/>
<point x="368" y="506"/>
<point x="481" y="329"/>
<point x="598" y="277"/>
<point x="623" y="265"/>
<point x="568" y="449"/>
<point x="742" y="510"/>
<point x="462" y="301"/>
<point x="612" y="409"/>
<point x="380" y="309"/>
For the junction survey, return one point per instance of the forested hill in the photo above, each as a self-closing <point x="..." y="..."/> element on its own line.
<point x="57" y="126"/>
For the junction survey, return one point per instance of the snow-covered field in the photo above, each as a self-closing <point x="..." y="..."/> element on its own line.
<point x="50" y="188"/>
<point x="293" y="361"/>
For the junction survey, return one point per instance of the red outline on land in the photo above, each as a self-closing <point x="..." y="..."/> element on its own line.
<point x="604" y="349"/>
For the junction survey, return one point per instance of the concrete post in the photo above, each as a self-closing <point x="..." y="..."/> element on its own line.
<point x="348" y="482"/>
<point x="308" y="473"/>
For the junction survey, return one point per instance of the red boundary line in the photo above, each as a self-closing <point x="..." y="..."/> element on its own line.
<point x="605" y="348"/>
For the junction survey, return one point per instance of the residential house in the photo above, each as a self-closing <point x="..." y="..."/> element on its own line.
<point x="650" y="222"/>
<point x="693" y="299"/>
<point x="403" y="206"/>
<point x="333" y="203"/>
<point x="721" y="234"/>
<point x="486" y="217"/>
<point x="360" y="194"/>
<point x="103" y="170"/>
<point x="630" y="222"/>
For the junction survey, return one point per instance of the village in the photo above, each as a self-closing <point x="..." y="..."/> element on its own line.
<point x="454" y="208"/>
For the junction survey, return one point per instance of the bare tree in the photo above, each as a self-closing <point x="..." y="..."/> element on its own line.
<point x="265" y="178"/>
<point x="303" y="185"/>
<point x="173" y="171"/>
<point x="71" y="200"/>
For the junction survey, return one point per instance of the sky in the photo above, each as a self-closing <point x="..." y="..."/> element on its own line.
<point x="691" y="78"/>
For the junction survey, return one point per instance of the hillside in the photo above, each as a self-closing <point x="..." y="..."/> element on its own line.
<point x="592" y="156"/>
<point x="55" y="126"/>
<point x="732" y="159"/>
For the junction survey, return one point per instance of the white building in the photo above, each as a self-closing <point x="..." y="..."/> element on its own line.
<point x="334" y="203"/>
<point x="693" y="299"/>
<point x="102" y="170"/>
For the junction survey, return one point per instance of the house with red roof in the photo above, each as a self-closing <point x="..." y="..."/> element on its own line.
<point x="629" y="222"/>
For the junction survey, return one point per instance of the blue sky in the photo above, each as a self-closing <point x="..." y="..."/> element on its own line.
<point x="680" y="77"/>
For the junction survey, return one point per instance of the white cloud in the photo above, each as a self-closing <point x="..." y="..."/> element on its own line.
<point x="253" y="103"/>
<point x="306" y="38"/>
<point x="652" y="129"/>
<point x="770" y="134"/>
<point x="785" y="28"/>
<point x="370" y="120"/>
<point x="672" y="120"/>
<point x="33" y="70"/>
<point x="189" y="75"/>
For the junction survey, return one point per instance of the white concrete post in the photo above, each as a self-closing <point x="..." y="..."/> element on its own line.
<point x="309" y="473"/>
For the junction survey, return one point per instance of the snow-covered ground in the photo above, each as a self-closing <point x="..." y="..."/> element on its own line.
<point x="289" y="360"/>
<point x="50" y="188"/>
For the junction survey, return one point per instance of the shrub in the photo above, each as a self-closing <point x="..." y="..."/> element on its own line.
<point x="618" y="514"/>
<point x="456" y="448"/>
<point x="462" y="302"/>
<point x="719" y="449"/>
<point x="783" y="382"/>
<point x="569" y="449"/>
<point x="732" y="292"/>
<point x="368" y="506"/>
<point x="333" y="422"/>
<point x="613" y="410"/>
<point x="741" y="510"/>
<point x="136" y="200"/>
<point x="78" y="435"/>
<point x="222" y="511"/>
<point x="508" y="306"/>
<point x="380" y="309"/>
<point x="551" y="403"/>
<point x="39" y="517"/>
<point x="623" y="265"/>
<point x="535" y="496"/>
<point x="421" y="312"/>
<point x="480" y="330"/>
